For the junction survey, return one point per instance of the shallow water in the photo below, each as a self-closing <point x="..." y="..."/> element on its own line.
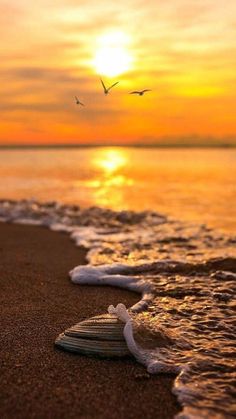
<point x="186" y="273"/>
<point x="189" y="184"/>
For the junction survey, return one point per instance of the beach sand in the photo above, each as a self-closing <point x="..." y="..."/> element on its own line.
<point x="38" y="301"/>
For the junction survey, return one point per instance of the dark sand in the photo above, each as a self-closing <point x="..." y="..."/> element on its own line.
<point x="38" y="302"/>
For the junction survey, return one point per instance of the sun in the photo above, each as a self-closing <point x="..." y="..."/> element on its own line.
<point x="113" y="57"/>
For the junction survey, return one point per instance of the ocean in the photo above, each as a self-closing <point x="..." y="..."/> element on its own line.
<point x="188" y="184"/>
<point x="159" y="222"/>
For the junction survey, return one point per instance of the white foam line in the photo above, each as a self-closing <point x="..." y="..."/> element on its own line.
<point x="151" y="361"/>
<point x="121" y="312"/>
<point x="111" y="275"/>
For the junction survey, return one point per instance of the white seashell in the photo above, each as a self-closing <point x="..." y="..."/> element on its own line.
<point x="100" y="335"/>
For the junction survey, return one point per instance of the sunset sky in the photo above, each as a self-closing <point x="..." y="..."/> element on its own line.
<point x="184" y="50"/>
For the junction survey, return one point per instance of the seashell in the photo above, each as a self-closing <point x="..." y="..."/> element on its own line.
<point x="100" y="335"/>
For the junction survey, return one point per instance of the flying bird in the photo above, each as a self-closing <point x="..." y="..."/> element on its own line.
<point x="107" y="89"/>
<point x="78" y="101"/>
<point x="140" y="92"/>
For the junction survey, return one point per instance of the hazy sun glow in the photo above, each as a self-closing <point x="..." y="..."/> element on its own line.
<point x="112" y="56"/>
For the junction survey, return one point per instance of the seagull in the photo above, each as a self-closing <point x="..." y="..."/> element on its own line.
<point x="78" y="101"/>
<point x="106" y="90"/>
<point x="140" y="92"/>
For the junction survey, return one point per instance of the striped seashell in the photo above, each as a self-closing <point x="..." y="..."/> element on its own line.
<point x="100" y="335"/>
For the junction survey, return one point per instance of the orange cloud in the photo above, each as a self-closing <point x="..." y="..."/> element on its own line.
<point x="183" y="50"/>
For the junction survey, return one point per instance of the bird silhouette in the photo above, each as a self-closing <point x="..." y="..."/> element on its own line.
<point x="107" y="89"/>
<point x="140" y="92"/>
<point x="78" y="101"/>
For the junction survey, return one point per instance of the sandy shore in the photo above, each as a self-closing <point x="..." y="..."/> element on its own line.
<point x="38" y="302"/>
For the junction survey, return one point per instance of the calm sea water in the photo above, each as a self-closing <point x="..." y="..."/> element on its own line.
<point x="188" y="184"/>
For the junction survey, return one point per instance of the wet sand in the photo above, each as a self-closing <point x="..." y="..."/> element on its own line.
<point x="38" y="301"/>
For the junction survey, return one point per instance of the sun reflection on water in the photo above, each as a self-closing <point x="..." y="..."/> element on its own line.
<point x="111" y="180"/>
<point x="110" y="160"/>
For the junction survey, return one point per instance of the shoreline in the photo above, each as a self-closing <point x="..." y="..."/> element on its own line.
<point x="39" y="302"/>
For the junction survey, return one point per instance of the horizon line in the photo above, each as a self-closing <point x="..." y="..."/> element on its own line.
<point x="135" y="145"/>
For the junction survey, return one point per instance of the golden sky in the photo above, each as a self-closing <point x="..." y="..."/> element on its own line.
<point x="184" y="50"/>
